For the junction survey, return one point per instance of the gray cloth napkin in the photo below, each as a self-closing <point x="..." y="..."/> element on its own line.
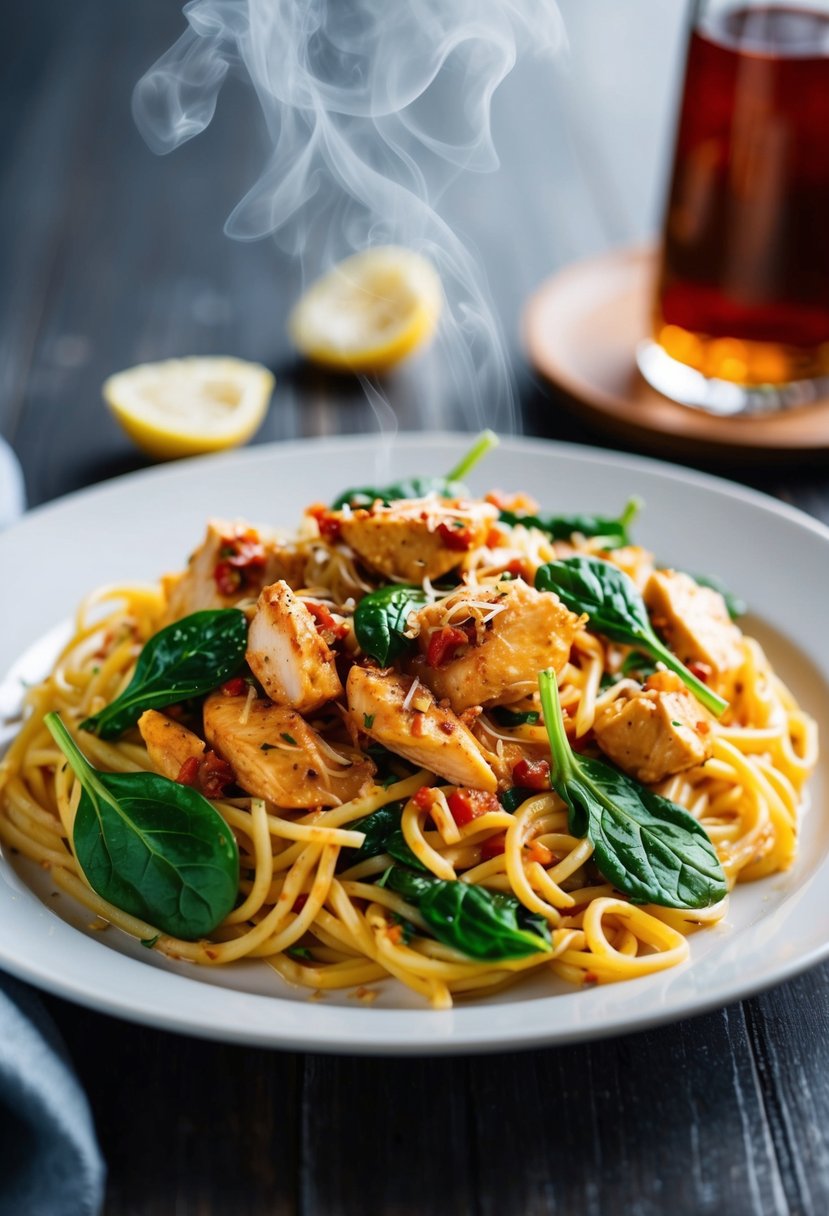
<point x="50" y="1164"/>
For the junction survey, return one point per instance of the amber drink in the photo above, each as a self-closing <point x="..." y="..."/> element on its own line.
<point x="741" y="313"/>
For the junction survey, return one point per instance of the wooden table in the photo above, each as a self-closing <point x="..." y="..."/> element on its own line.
<point x="110" y="257"/>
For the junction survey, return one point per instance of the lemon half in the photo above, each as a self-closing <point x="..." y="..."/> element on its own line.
<point x="185" y="407"/>
<point x="370" y="311"/>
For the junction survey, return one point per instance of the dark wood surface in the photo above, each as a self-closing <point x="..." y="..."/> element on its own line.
<point x="111" y="256"/>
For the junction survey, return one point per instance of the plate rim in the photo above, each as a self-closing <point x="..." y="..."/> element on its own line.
<point x="391" y="1031"/>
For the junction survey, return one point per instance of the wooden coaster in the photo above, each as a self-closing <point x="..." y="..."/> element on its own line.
<point x="581" y="331"/>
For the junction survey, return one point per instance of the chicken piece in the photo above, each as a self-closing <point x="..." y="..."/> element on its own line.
<point x="694" y="621"/>
<point x="169" y="744"/>
<point x="421" y="731"/>
<point x="417" y="539"/>
<point x="656" y="733"/>
<point x="233" y="562"/>
<point x="276" y="755"/>
<point x="287" y="655"/>
<point x="513" y="633"/>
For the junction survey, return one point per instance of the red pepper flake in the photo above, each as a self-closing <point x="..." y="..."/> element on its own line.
<point x="443" y="644"/>
<point x="701" y="670"/>
<point x="590" y="978"/>
<point x="702" y="728"/>
<point x="299" y="903"/>
<point x="468" y="804"/>
<point x="234" y="687"/>
<point x="517" y="569"/>
<point x="455" y="536"/>
<point x="532" y="774"/>
<point x="417" y="725"/>
<point x="494" y="846"/>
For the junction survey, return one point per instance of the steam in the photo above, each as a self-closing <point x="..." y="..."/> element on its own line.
<point x="372" y="107"/>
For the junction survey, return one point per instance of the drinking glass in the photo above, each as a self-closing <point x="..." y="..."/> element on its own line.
<point x="741" y="309"/>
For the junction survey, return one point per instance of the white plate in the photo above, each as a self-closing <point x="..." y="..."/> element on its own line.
<point x="142" y="525"/>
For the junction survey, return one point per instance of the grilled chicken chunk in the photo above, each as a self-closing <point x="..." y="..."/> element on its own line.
<point x="512" y="632"/>
<point x="694" y="620"/>
<point x="276" y="755"/>
<point x="657" y="733"/>
<point x="233" y="562"/>
<point x="417" y="539"/>
<point x="169" y="744"/>
<point x="286" y="653"/>
<point x="423" y="732"/>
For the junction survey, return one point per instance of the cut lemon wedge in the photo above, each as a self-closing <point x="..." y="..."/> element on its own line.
<point x="185" y="407"/>
<point x="370" y="311"/>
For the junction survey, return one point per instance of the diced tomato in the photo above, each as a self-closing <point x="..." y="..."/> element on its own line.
<point x="325" y="622"/>
<point x="467" y="804"/>
<point x="234" y="687"/>
<point x="443" y="643"/>
<point x="701" y="670"/>
<point x="493" y="847"/>
<point x="455" y="536"/>
<point x="228" y="579"/>
<point x="209" y="774"/>
<point x="215" y="775"/>
<point x="517" y="569"/>
<point x="533" y="774"/>
<point x="327" y="522"/>
<point x="189" y="771"/>
<point x="424" y="798"/>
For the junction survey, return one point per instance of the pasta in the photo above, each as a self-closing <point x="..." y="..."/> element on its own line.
<point x="431" y="758"/>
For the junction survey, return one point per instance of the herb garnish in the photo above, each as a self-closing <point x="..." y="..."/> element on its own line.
<point x="450" y="486"/>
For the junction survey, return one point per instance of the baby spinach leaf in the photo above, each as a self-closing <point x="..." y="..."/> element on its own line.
<point x="450" y="486"/>
<point x="647" y="846"/>
<point x="513" y="797"/>
<point x="380" y="621"/>
<point x="383" y="834"/>
<point x="407" y="487"/>
<point x="188" y="658"/>
<point x="482" y="924"/>
<point x="153" y="848"/>
<point x="617" y="610"/>
<point x="561" y="527"/>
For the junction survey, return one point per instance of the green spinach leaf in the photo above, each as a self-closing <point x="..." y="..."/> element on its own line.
<point x="153" y="848"/>
<point x="617" y="610"/>
<point x="482" y="924"/>
<point x="188" y="658"/>
<point x="380" y="621"/>
<point x="646" y="845"/>
<point x="450" y="486"/>
<point x="514" y="717"/>
<point x="383" y="835"/>
<point x="614" y="532"/>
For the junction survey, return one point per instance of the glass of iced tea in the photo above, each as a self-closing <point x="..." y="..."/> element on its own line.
<point x="741" y="310"/>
